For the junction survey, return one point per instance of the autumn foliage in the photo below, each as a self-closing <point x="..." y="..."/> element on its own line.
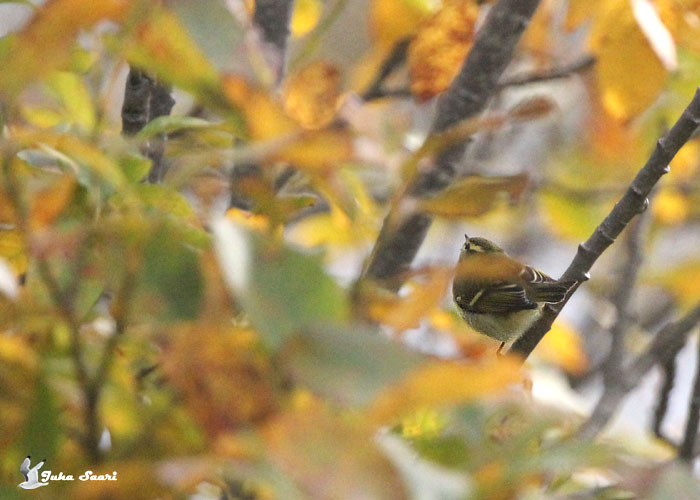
<point x="235" y="350"/>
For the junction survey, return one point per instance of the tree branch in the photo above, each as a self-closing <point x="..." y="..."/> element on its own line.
<point x="660" y="350"/>
<point x="582" y="64"/>
<point x="633" y="202"/>
<point x="468" y="95"/>
<point x="272" y="17"/>
<point x="144" y="100"/>
<point x="686" y="451"/>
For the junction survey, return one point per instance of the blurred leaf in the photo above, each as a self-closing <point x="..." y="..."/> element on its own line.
<point x="438" y="49"/>
<point x="629" y="72"/>
<point x="173" y="271"/>
<point x="166" y="200"/>
<point x="670" y="206"/>
<point x="41" y="428"/>
<point x="393" y="20"/>
<point x="48" y="203"/>
<point x="304" y="297"/>
<point x="327" y="455"/>
<point x="674" y="481"/>
<point x="571" y="217"/>
<point x="205" y="17"/>
<point x="474" y="195"/>
<point x="75" y="97"/>
<point x="44" y="43"/>
<point x="347" y="366"/>
<point x="311" y="95"/>
<point x="135" y="167"/>
<point x="407" y="311"/>
<point x="682" y="281"/>
<point x="169" y="123"/>
<point x="444" y="383"/>
<point x="13" y="251"/>
<point x="563" y="346"/>
<point x="224" y="380"/>
<point x="305" y="16"/>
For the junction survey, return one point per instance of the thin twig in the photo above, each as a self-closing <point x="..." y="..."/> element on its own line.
<point x="396" y="58"/>
<point x="467" y="96"/>
<point x="660" y="350"/>
<point x="669" y="376"/>
<point x="566" y="71"/>
<point x="272" y="18"/>
<point x="633" y="202"/>
<point x="686" y="451"/>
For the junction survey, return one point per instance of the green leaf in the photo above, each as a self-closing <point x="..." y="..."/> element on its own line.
<point x="135" y="167"/>
<point x="41" y="431"/>
<point x="282" y="290"/>
<point x="348" y="365"/>
<point x="172" y="270"/>
<point x="212" y="26"/>
<point x="167" y="124"/>
<point x="166" y="200"/>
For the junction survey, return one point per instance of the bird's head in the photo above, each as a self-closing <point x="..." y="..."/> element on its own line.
<point x="478" y="246"/>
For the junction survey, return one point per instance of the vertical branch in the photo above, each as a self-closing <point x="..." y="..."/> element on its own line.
<point x="144" y="100"/>
<point x="272" y="17"/>
<point x="467" y="96"/>
<point x="669" y="375"/>
<point x="633" y="202"/>
<point x="691" y="428"/>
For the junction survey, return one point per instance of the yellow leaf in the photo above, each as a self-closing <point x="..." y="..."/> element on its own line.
<point x="394" y="20"/>
<point x="305" y="16"/>
<point x="438" y="49"/>
<point x="629" y="73"/>
<point x="670" y="206"/>
<point x="44" y="44"/>
<point x="41" y="116"/>
<point x="683" y="20"/>
<point x="12" y="250"/>
<point x="75" y="97"/>
<point x="16" y="351"/>
<point x="443" y="383"/>
<point x="474" y="196"/>
<point x="163" y="45"/>
<point x="265" y="118"/>
<point x="569" y="217"/>
<point x="563" y="346"/>
<point x="685" y="164"/>
<point x="311" y="95"/>
<point x="578" y="12"/>
<point x="404" y="312"/>
<point x="682" y="281"/>
<point x="321" y="150"/>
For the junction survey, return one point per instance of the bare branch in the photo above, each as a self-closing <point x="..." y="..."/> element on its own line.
<point x="566" y="71"/>
<point x="144" y="100"/>
<point x="272" y="18"/>
<point x="468" y="95"/>
<point x="686" y="451"/>
<point x="395" y="59"/>
<point x="660" y="350"/>
<point x="669" y="375"/>
<point x="633" y="202"/>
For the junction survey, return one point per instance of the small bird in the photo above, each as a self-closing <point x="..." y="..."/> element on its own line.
<point x="499" y="296"/>
<point x="31" y="476"/>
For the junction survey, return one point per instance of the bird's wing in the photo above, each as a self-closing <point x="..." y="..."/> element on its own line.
<point x="34" y="471"/>
<point x="498" y="298"/>
<point x="543" y="288"/>
<point x="24" y="468"/>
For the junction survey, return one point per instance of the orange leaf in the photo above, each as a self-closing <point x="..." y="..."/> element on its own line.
<point x="443" y="383"/>
<point x="438" y="49"/>
<point x="50" y="201"/>
<point x="474" y="196"/>
<point x="43" y="45"/>
<point x="563" y="347"/>
<point x="403" y="313"/>
<point x="394" y="20"/>
<point x="311" y="96"/>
